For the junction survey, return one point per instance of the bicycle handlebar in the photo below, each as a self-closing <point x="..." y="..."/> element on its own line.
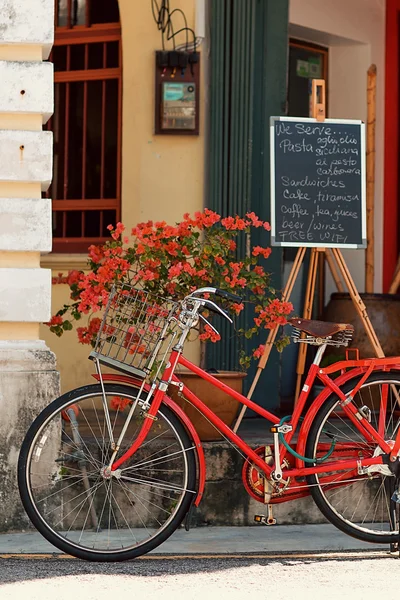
<point x="210" y="305"/>
<point x="228" y="295"/>
<point x="218" y="292"/>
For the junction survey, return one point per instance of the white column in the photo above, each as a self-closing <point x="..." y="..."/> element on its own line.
<point x="28" y="376"/>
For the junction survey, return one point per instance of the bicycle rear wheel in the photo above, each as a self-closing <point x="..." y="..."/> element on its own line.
<point x="68" y="495"/>
<point x="359" y="505"/>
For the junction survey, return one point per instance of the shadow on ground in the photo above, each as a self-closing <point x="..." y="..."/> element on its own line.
<point x="24" y="569"/>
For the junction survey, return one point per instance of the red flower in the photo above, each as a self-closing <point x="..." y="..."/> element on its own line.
<point x="255" y="221"/>
<point x="209" y="334"/>
<point x="237" y="308"/>
<point x="265" y="252"/>
<point x="55" y="320"/>
<point x="174" y="260"/>
<point x="95" y="253"/>
<point x="116" y="233"/>
<point x="94" y="326"/>
<point x="84" y="335"/>
<point x="74" y="277"/>
<point x="119" y="403"/>
<point x="234" y="223"/>
<point x="259" y="351"/>
<point x="172" y="248"/>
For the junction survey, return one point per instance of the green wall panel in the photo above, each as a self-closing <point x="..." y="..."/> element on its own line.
<point x="248" y="73"/>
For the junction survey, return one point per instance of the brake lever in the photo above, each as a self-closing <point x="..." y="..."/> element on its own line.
<point x="212" y="306"/>
<point x="209" y="324"/>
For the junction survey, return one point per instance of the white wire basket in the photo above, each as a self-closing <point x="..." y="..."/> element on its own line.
<point x="134" y="328"/>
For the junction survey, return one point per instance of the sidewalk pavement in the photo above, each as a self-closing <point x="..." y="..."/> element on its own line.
<point x="278" y="539"/>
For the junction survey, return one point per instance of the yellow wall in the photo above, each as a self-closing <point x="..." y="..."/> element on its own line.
<point x="162" y="176"/>
<point x="72" y="357"/>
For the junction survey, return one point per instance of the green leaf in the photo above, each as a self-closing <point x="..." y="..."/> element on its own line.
<point x="282" y="343"/>
<point x="57" y="329"/>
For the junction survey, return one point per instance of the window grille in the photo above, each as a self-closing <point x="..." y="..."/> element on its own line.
<point x="87" y="121"/>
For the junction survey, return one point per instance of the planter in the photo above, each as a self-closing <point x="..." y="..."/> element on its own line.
<point x="223" y="405"/>
<point x="384" y="313"/>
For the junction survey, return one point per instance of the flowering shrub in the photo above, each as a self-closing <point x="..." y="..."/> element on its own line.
<point x="172" y="261"/>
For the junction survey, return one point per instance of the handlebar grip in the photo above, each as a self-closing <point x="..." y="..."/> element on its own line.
<point x="228" y="295"/>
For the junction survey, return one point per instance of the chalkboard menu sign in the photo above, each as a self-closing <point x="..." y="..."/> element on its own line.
<point x="318" y="183"/>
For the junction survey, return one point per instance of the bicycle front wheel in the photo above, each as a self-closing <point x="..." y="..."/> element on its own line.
<point x="72" y="500"/>
<point x="358" y="504"/>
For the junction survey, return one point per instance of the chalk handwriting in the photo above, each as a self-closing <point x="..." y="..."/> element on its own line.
<point x="318" y="183"/>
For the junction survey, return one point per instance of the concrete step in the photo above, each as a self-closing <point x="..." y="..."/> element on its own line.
<point x="226" y="501"/>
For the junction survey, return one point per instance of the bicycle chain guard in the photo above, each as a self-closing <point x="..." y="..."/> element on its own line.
<point x="268" y="491"/>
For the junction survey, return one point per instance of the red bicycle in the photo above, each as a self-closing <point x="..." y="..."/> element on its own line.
<point x="107" y="472"/>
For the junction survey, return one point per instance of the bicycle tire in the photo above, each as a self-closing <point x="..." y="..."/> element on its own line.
<point x="361" y="508"/>
<point x="74" y="506"/>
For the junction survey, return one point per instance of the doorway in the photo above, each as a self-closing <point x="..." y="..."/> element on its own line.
<point x="306" y="62"/>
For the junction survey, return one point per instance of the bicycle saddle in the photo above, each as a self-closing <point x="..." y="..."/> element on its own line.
<point x="321" y="329"/>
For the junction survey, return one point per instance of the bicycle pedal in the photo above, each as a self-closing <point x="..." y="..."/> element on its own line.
<point x="263" y="520"/>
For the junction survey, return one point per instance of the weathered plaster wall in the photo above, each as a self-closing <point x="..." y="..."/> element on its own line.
<point x="28" y="376"/>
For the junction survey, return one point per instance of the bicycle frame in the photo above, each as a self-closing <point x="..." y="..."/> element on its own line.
<point x="358" y="369"/>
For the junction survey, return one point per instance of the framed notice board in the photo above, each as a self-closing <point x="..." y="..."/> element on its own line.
<point x="318" y="183"/>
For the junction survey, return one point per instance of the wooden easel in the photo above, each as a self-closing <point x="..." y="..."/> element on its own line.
<point x="336" y="262"/>
<point x="394" y="286"/>
<point x="338" y="268"/>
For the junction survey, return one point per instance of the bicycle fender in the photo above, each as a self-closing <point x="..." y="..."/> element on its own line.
<point x="131" y="381"/>
<point x="314" y="408"/>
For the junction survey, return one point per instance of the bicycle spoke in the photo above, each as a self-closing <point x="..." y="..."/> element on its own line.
<point x="140" y="498"/>
<point x="157" y="460"/>
<point x="160" y="485"/>
<point x="359" y="505"/>
<point x="92" y="510"/>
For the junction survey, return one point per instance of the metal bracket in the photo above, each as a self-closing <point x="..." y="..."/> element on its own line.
<point x="365" y="411"/>
<point x="148" y="416"/>
<point x="347" y="401"/>
<point x="177" y="384"/>
<point x="360" y="469"/>
<point x="396" y="496"/>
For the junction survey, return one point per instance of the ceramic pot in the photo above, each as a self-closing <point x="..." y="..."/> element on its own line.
<point x="223" y="405"/>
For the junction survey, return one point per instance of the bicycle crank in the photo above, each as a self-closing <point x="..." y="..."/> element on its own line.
<point x="256" y="484"/>
<point x="270" y="520"/>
